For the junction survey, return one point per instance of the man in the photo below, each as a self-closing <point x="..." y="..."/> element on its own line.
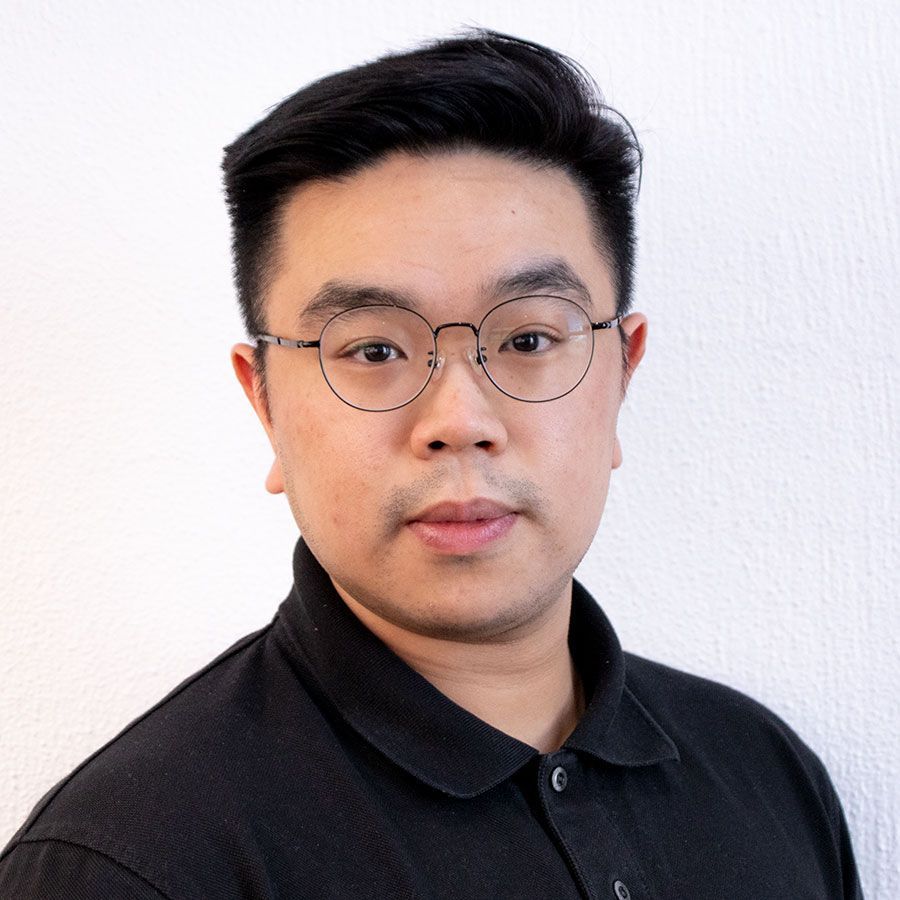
<point x="434" y="255"/>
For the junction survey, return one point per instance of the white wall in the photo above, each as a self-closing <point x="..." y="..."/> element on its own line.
<point x="751" y="535"/>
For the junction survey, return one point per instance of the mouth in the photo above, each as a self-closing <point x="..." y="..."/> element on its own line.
<point x="460" y="528"/>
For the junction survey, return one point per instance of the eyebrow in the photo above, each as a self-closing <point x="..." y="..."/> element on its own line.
<point x="550" y="274"/>
<point x="338" y="296"/>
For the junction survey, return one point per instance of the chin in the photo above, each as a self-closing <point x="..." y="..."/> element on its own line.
<point x="471" y="616"/>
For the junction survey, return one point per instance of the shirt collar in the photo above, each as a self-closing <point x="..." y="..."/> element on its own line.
<point x="424" y="732"/>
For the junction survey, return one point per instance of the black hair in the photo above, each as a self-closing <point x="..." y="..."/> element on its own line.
<point x="482" y="90"/>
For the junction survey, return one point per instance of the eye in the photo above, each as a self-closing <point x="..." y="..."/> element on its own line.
<point x="373" y="352"/>
<point x="377" y="352"/>
<point x="528" y="342"/>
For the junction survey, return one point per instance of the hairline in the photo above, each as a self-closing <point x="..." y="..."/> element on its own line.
<point x="273" y="259"/>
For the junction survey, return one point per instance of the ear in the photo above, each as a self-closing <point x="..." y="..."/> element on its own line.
<point x="242" y="362"/>
<point x="635" y="327"/>
<point x="617" y="453"/>
<point x="275" y="480"/>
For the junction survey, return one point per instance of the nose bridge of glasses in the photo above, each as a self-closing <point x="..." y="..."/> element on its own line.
<point x="471" y="352"/>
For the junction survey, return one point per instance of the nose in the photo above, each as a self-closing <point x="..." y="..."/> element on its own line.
<point x="459" y="409"/>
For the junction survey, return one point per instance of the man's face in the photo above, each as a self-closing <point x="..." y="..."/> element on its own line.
<point x="442" y="231"/>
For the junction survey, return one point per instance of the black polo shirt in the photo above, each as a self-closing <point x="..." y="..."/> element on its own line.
<point x="309" y="761"/>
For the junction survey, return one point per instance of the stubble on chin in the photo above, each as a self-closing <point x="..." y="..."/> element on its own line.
<point x="491" y="617"/>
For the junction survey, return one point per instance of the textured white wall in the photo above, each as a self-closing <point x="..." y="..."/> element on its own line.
<point x="752" y="534"/>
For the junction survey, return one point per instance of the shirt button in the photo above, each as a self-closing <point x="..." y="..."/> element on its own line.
<point x="559" y="779"/>
<point x="622" y="891"/>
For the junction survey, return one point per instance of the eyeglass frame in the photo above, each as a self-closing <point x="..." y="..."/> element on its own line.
<point x="609" y="324"/>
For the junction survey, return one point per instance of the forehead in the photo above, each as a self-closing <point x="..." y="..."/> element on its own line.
<point x="445" y="232"/>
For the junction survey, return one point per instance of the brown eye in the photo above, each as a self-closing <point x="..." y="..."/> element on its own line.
<point x="526" y="342"/>
<point x="377" y="353"/>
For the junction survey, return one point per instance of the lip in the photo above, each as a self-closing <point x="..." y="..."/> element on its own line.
<point x="465" y="511"/>
<point x="460" y="528"/>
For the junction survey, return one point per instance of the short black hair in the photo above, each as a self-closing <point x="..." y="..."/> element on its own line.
<point x="482" y="90"/>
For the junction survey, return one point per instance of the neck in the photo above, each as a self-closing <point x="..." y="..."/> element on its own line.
<point x="526" y="686"/>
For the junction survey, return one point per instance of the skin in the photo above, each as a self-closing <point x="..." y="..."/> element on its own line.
<point x="489" y="627"/>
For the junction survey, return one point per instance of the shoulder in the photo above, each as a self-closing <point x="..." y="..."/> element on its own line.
<point x="165" y="787"/>
<point x="722" y="730"/>
<point x="691" y="702"/>
<point x="36" y="870"/>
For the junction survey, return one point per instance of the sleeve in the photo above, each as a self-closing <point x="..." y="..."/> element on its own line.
<point x="849" y="874"/>
<point x="59" y="870"/>
<point x="838" y="847"/>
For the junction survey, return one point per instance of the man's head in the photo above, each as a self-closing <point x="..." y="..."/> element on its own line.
<point x="449" y="180"/>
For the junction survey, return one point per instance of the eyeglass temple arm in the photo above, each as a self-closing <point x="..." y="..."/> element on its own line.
<point x="284" y="342"/>
<point x="612" y="323"/>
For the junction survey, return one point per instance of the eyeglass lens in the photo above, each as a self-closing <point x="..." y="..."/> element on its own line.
<point x="381" y="357"/>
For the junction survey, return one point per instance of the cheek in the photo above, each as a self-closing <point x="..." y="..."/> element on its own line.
<point x="583" y="432"/>
<point x="582" y="451"/>
<point x="333" y="472"/>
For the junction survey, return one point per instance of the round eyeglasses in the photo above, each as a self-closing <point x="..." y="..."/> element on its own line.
<point x="380" y="357"/>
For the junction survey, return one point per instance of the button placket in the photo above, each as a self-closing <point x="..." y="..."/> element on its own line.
<point x="576" y="816"/>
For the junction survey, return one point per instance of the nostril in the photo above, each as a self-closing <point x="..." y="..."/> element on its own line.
<point x="436" y="445"/>
<point x="484" y="444"/>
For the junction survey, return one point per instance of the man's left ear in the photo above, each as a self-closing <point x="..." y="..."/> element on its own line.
<point x="617" y="453"/>
<point x="635" y="327"/>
